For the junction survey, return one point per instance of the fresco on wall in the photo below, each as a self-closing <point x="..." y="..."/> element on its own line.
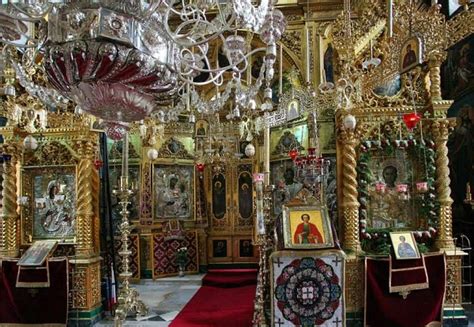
<point x="329" y="64"/>
<point x="219" y="206"/>
<point x="458" y="70"/>
<point x="461" y="155"/>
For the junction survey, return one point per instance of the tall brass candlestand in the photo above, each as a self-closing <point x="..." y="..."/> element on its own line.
<point x="128" y="301"/>
<point x="264" y="244"/>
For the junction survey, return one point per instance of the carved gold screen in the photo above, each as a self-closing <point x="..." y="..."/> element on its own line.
<point x="231" y="211"/>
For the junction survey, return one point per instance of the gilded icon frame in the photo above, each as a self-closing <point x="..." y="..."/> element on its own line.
<point x="30" y="211"/>
<point x="168" y="170"/>
<point x="294" y="234"/>
<point x="410" y="240"/>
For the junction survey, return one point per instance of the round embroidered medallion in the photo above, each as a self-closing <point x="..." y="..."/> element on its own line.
<point x="308" y="292"/>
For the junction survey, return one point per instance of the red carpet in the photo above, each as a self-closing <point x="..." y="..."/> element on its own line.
<point x="225" y="299"/>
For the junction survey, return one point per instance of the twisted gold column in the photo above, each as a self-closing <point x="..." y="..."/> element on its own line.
<point x="434" y="63"/>
<point x="85" y="212"/>
<point x="10" y="242"/>
<point x="440" y="131"/>
<point x="350" y="204"/>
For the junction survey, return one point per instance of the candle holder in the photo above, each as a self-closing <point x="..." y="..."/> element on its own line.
<point x="128" y="301"/>
<point x="468" y="199"/>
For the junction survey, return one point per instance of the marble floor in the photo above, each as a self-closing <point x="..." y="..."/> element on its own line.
<point x="164" y="297"/>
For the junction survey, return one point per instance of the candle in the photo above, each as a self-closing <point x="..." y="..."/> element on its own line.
<point x="390" y="18"/>
<point x="125" y="155"/>
<point x="308" y="56"/>
<point x="280" y="89"/>
<point x="468" y="192"/>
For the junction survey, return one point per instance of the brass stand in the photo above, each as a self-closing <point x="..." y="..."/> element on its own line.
<point x="264" y="244"/>
<point x="128" y="301"/>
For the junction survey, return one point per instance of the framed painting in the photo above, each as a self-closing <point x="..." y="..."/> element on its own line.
<point x="457" y="72"/>
<point x="283" y="176"/>
<point x="37" y="253"/>
<point x="220" y="249"/>
<point x="202" y="128"/>
<point x="173" y="187"/>
<point x="244" y="250"/>
<point x="51" y="213"/>
<point x="388" y="206"/>
<point x="410" y="55"/>
<point x="404" y="245"/>
<point x="293" y="110"/>
<point x="307" y="227"/>
<point x="282" y="140"/>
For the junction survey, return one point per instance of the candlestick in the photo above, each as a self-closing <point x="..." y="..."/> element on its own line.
<point x="308" y="56"/>
<point x="125" y="156"/>
<point x="390" y="18"/>
<point x="468" y="192"/>
<point x="280" y="88"/>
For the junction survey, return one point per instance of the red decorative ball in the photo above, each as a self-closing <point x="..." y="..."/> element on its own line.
<point x="98" y="163"/>
<point x="200" y="167"/>
<point x="293" y="154"/>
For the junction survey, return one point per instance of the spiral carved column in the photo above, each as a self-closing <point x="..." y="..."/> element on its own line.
<point x="85" y="212"/>
<point x="434" y="64"/>
<point x="440" y="131"/>
<point x="10" y="242"/>
<point x="350" y="204"/>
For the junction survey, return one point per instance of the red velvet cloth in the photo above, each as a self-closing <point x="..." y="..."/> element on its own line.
<point x="391" y="310"/>
<point x="34" y="305"/>
<point x="230" y="277"/>
<point x="223" y="304"/>
<point x="408" y="274"/>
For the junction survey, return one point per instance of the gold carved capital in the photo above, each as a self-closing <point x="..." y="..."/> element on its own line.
<point x="85" y="149"/>
<point x="440" y="129"/>
<point x="435" y="59"/>
<point x="14" y="149"/>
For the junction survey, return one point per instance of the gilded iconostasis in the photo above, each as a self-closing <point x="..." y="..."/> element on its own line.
<point x="309" y="156"/>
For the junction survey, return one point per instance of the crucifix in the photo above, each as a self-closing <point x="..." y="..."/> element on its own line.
<point x="337" y="261"/>
<point x="278" y="262"/>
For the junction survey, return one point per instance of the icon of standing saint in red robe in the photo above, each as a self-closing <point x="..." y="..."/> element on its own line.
<point x="306" y="232"/>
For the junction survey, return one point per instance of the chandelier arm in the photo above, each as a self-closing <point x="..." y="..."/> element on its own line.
<point x="192" y="82"/>
<point x="152" y="8"/>
<point x="28" y="19"/>
<point x="172" y="35"/>
<point x="19" y="45"/>
<point x="40" y="17"/>
<point x="231" y="66"/>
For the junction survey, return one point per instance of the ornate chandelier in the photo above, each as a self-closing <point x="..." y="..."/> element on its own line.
<point x="125" y="60"/>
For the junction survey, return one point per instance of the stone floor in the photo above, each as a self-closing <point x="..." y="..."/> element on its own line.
<point x="164" y="297"/>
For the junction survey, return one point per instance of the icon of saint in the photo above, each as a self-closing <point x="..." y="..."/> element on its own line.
<point x="405" y="250"/>
<point x="410" y="57"/>
<point x="306" y="232"/>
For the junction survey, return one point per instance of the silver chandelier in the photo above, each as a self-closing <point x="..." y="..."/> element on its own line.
<point x="125" y="60"/>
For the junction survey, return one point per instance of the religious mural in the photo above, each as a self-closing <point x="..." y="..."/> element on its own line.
<point x="458" y="84"/>
<point x="219" y="206"/>
<point x="174" y="191"/>
<point x="282" y="175"/>
<point x="391" y="208"/>
<point x="55" y="205"/>
<point x="245" y="195"/>
<point x="458" y="70"/>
